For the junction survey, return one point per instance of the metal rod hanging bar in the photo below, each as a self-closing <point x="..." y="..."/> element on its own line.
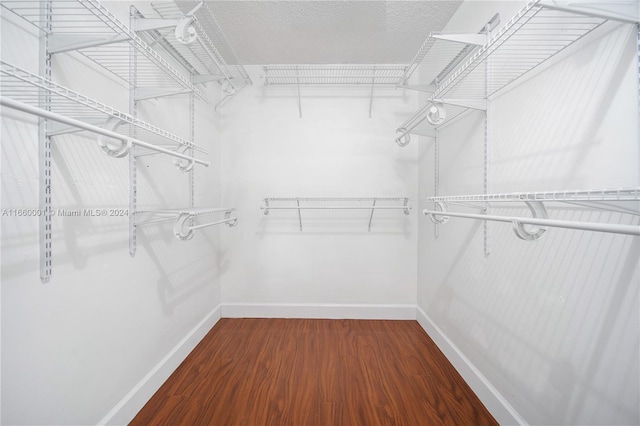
<point x="10" y="103"/>
<point x="204" y="225"/>
<point x="585" y="226"/>
<point x="609" y="194"/>
<point x="145" y="216"/>
<point x="337" y="208"/>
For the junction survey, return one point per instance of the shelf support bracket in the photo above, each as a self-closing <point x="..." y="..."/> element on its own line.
<point x="429" y="132"/>
<point x="149" y="24"/>
<point x="473" y="39"/>
<point x="65" y="43"/>
<point x="143" y="93"/>
<point x="373" y="209"/>
<point x="617" y="10"/>
<point x="429" y="88"/>
<point x="477" y="104"/>
<point x="373" y="82"/>
<point x="55" y="129"/>
<point x="299" y="102"/>
<point x="205" y="78"/>
<point x="299" y="214"/>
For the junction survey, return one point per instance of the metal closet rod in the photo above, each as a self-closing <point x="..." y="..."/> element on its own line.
<point x="20" y="106"/>
<point x="584" y="226"/>
<point x="337" y="208"/>
<point x="183" y="227"/>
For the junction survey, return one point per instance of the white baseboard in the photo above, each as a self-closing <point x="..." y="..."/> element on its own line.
<point x="318" y="310"/>
<point x="133" y="402"/>
<point x="503" y="412"/>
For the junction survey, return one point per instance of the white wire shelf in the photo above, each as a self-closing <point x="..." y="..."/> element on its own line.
<point x="378" y="75"/>
<point x="531" y="37"/>
<point x="626" y="194"/>
<point x="196" y="51"/>
<point x="185" y="219"/>
<point x="336" y="203"/>
<point x="89" y="28"/>
<point x="626" y="201"/>
<point x="370" y="76"/>
<point x="210" y="26"/>
<point x="25" y="87"/>
<point x="444" y="55"/>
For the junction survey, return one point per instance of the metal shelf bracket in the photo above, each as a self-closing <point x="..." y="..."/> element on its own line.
<point x="474" y="39"/>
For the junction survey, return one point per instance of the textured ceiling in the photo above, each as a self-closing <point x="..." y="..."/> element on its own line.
<point x="330" y="32"/>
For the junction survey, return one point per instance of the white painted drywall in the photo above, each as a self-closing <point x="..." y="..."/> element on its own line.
<point x="74" y="348"/>
<point x="553" y="324"/>
<point x="334" y="150"/>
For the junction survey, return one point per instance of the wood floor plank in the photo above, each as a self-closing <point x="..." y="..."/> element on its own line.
<point x="301" y="372"/>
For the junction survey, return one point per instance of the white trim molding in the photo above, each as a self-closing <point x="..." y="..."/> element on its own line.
<point x="319" y="310"/>
<point x="133" y="402"/>
<point x="497" y="405"/>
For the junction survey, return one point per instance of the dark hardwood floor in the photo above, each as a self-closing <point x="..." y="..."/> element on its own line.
<point x="315" y="372"/>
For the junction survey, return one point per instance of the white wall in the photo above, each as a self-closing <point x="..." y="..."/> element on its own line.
<point x="81" y="345"/>
<point x="552" y="325"/>
<point x="334" y="150"/>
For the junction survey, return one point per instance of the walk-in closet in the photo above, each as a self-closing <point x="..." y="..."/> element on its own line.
<point x="319" y="212"/>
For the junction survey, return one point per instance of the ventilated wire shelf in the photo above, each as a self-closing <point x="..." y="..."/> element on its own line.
<point x="368" y="205"/>
<point x="23" y="86"/>
<point x="200" y="57"/>
<point x="535" y="35"/>
<point x="530" y="38"/>
<point x="91" y="29"/>
<point x="444" y="56"/>
<point x="624" y="194"/>
<point x="340" y="202"/>
<point x="624" y="201"/>
<point x="208" y="24"/>
<point x="378" y="75"/>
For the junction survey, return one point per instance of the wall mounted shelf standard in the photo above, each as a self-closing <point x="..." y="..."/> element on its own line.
<point x="626" y="201"/>
<point x="334" y="75"/>
<point x="184" y="225"/>
<point x="309" y="203"/>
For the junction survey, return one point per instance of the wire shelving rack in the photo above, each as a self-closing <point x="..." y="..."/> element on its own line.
<point x="23" y="86"/>
<point x="184" y="225"/>
<point x="88" y="27"/>
<point x="624" y="200"/>
<point x="200" y="54"/>
<point x="534" y="35"/>
<point x="370" y="204"/>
